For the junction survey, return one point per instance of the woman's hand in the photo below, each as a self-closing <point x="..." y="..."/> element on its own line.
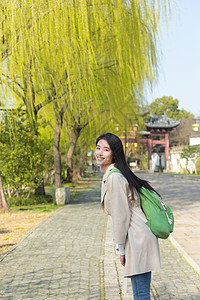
<point x="122" y="260"/>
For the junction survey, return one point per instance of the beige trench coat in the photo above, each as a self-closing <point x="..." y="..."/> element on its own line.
<point x="128" y="225"/>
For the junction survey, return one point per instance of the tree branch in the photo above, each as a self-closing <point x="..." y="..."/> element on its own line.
<point x="47" y="122"/>
<point x="17" y="83"/>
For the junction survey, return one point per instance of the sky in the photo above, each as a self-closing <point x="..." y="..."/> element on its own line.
<point x="179" y="72"/>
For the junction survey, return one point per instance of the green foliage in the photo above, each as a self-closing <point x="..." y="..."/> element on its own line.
<point x="84" y="56"/>
<point x="22" y="157"/>
<point x="197" y="165"/>
<point x="168" y="105"/>
<point x="32" y="200"/>
<point x="190" y="152"/>
<point x="79" y="63"/>
<point x="36" y="208"/>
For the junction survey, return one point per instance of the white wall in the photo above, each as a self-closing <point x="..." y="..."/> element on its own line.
<point x="155" y="161"/>
<point x="194" y="141"/>
<point x="176" y="163"/>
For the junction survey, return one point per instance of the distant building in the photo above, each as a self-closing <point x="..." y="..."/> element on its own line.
<point x="178" y="164"/>
<point x="157" y="140"/>
<point x="161" y="157"/>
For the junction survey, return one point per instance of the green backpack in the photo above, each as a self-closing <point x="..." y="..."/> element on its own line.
<point x="159" y="215"/>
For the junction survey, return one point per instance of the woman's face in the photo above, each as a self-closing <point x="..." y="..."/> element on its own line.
<point x="103" y="154"/>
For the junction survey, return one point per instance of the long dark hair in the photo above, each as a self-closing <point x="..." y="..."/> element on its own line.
<point x="121" y="164"/>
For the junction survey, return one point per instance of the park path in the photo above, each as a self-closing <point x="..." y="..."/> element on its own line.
<point x="70" y="255"/>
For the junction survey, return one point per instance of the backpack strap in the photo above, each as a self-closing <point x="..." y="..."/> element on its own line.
<point x="113" y="171"/>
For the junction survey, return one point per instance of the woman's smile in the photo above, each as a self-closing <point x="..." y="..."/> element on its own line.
<point x="99" y="158"/>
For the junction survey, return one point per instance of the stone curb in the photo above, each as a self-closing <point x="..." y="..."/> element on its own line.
<point x="188" y="177"/>
<point x="185" y="256"/>
<point x="2" y="256"/>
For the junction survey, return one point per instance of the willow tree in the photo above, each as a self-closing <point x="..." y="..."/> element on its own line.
<point x="79" y="59"/>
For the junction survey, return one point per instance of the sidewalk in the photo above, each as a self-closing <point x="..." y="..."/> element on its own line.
<point x="70" y="255"/>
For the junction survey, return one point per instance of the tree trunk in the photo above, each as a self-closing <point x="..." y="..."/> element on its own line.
<point x="57" y="156"/>
<point x="40" y="189"/>
<point x="188" y="172"/>
<point x="8" y="191"/>
<point x="82" y="171"/>
<point x="3" y="202"/>
<point x="73" y="137"/>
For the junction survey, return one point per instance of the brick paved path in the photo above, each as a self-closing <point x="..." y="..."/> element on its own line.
<point x="70" y="255"/>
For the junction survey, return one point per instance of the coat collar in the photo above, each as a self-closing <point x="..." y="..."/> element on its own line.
<point x="104" y="182"/>
<point x="112" y="166"/>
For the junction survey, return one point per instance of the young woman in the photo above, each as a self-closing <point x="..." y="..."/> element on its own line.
<point x="138" y="246"/>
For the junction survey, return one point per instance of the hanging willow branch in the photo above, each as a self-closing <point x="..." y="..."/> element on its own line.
<point x="90" y="49"/>
<point x="58" y="55"/>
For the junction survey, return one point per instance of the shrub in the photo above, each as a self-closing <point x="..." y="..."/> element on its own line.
<point x="197" y="165"/>
<point x="33" y="200"/>
<point x="23" y="157"/>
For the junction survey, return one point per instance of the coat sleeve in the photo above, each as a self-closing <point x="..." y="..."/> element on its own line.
<point x="120" y="213"/>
